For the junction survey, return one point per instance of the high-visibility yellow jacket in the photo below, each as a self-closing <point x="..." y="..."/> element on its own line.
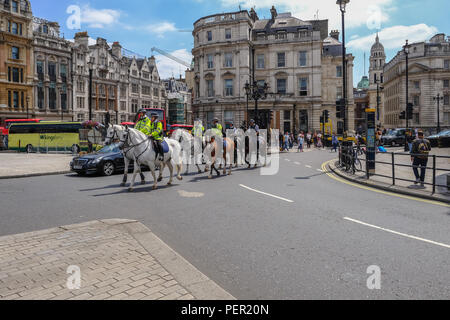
<point x="144" y="126"/>
<point x="199" y="133"/>
<point x="156" y="130"/>
<point x="218" y="130"/>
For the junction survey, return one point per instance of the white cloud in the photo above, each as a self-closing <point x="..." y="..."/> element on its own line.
<point x="168" y="68"/>
<point x="161" y="28"/>
<point x="358" y="13"/>
<point x="394" y="37"/>
<point x="99" y="18"/>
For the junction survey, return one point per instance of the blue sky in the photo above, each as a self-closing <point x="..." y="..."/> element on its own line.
<point x="140" y="25"/>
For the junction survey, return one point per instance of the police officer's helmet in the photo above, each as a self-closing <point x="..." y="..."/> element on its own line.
<point x="154" y="115"/>
<point x="142" y="111"/>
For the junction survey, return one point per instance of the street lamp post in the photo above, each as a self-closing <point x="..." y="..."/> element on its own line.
<point x="438" y="98"/>
<point x="256" y="92"/>
<point x="379" y="88"/>
<point x="406" y="51"/>
<point x="342" y="5"/>
<point x="91" y="66"/>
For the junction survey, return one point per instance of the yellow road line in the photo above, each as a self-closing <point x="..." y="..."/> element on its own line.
<point x="331" y="175"/>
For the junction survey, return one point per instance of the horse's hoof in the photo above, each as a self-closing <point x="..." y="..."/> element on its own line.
<point x="160" y="179"/>
<point x="130" y="189"/>
<point x="199" y="171"/>
<point x="142" y="182"/>
<point x="180" y="178"/>
<point x="209" y="177"/>
<point x="169" y="183"/>
<point x="154" y="188"/>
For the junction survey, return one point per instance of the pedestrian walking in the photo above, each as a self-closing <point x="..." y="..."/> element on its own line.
<point x="419" y="156"/>
<point x="286" y="142"/>
<point x="335" y="142"/>
<point x="301" y="141"/>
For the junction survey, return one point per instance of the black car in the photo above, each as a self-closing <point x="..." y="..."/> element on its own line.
<point x="107" y="161"/>
<point x="442" y="139"/>
<point x="394" y="138"/>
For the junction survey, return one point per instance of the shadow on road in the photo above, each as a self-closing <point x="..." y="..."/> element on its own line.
<point x="138" y="189"/>
<point x="309" y="177"/>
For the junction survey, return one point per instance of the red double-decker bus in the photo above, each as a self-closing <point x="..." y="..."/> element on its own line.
<point x="9" y="122"/>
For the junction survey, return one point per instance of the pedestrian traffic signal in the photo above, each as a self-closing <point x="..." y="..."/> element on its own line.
<point x="402" y="115"/>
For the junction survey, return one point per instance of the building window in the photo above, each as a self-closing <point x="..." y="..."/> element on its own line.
<point x="52" y="71"/>
<point x="302" y="59"/>
<point x="260" y="61"/>
<point x="210" y="59"/>
<point x="447" y="117"/>
<point x="417" y="84"/>
<point x="228" y="117"/>
<point x="63" y="72"/>
<point x="40" y="96"/>
<point x="416" y="101"/>
<point x="9" y="99"/>
<point x="446" y="83"/>
<point x="16" y="75"/>
<point x="416" y="118"/>
<point x="281" y="59"/>
<point x="210" y="88"/>
<point x="339" y="93"/>
<point x="303" y="87"/>
<point x="261" y="36"/>
<point x="228" y="87"/>
<point x="40" y="70"/>
<point x="281" y="35"/>
<point x="281" y="86"/>
<point x="80" y="117"/>
<point x="15" y="53"/>
<point x="15" y="6"/>
<point x="227" y="33"/>
<point x="228" y="60"/>
<point x="446" y="100"/>
<point x="64" y="98"/>
<point x="52" y="97"/>
<point x="339" y="71"/>
<point x="447" y="64"/>
<point x="16" y="99"/>
<point x="134" y="88"/>
<point x="45" y="29"/>
<point x="209" y="35"/>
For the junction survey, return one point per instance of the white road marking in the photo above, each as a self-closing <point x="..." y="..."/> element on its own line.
<point x="308" y="167"/>
<point x="186" y="194"/>
<point x="297" y="163"/>
<point x="267" y="194"/>
<point x="399" y="233"/>
<point x="287" y="160"/>
<point x="319" y="170"/>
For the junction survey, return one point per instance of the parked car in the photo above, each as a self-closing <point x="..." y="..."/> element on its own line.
<point x="395" y="137"/>
<point x="442" y="139"/>
<point x="106" y="161"/>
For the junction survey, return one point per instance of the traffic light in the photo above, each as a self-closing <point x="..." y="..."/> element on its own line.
<point x="271" y="116"/>
<point x="326" y="115"/>
<point x="402" y="115"/>
<point x="409" y="111"/>
<point x="321" y="119"/>
<point x="340" y="109"/>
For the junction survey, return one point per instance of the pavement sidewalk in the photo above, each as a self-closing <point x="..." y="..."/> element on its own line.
<point x="117" y="259"/>
<point x="404" y="187"/>
<point x="17" y="165"/>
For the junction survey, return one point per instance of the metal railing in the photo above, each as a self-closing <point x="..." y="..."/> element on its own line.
<point x="351" y="160"/>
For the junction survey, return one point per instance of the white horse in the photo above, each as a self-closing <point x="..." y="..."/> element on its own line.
<point x="140" y="148"/>
<point x="191" y="149"/>
<point x="254" y="151"/>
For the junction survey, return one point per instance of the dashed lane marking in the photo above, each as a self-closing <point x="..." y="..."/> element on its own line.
<point x="297" y="163"/>
<point x="266" y="194"/>
<point x="398" y="233"/>
<point x="308" y="167"/>
<point x="331" y="175"/>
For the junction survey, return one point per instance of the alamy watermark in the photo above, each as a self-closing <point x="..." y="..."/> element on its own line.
<point x="374" y="280"/>
<point x="74" y="280"/>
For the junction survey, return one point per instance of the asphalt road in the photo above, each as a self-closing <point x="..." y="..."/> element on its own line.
<point x="307" y="236"/>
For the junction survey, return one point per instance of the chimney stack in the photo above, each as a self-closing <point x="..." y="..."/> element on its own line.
<point x="117" y="50"/>
<point x="82" y="38"/>
<point x="253" y="15"/>
<point x="334" y="34"/>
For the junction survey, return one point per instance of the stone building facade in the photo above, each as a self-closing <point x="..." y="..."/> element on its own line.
<point x="429" y="75"/>
<point x="121" y="84"/>
<point x="52" y="96"/>
<point x="16" y="56"/>
<point x="289" y="54"/>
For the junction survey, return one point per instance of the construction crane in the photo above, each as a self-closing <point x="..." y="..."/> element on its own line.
<point x="168" y="55"/>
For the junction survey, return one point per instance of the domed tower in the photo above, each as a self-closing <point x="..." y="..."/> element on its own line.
<point x="377" y="62"/>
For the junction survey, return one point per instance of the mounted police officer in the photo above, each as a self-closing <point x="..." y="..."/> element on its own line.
<point x="198" y="129"/>
<point x="152" y="128"/>
<point x="254" y="126"/>
<point x="217" y="127"/>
